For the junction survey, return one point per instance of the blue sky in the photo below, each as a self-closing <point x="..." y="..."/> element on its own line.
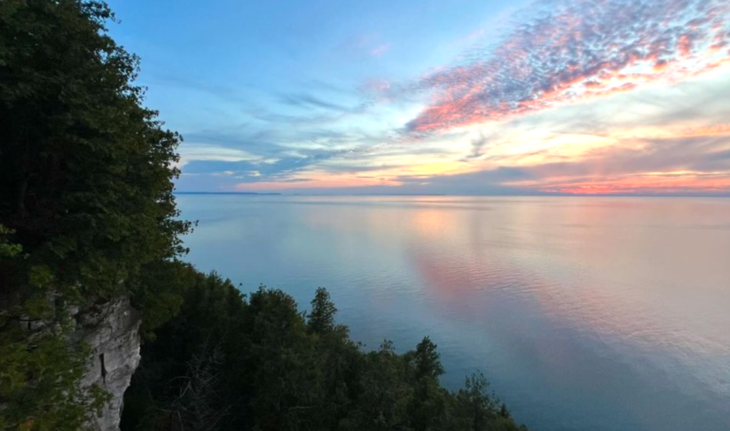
<point x="462" y="97"/>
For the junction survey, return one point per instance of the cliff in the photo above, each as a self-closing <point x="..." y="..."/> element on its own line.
<point x="112" y="332"/>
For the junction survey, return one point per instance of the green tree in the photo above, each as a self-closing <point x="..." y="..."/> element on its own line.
<point x="476" y="408"/>
<point x="322" y="316"/>
<point x="427" y="360"/>
<point x="271" y="372"/>
<point x="86" y="180"/>
<point x="85" y="169"/>
<point x="428" y="407"/>
<point x="201" y="344"/>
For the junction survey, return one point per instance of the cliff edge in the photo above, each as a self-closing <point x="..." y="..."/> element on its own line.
<point x="112" y="332"/>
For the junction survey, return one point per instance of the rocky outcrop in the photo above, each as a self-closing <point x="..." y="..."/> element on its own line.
<point x="112" y="332"/>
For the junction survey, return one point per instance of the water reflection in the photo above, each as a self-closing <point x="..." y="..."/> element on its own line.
<point x="595" y="313"/>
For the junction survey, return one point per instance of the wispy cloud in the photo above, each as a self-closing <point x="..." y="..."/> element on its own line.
<point x="371" y="44"/>
<point x="309" y="101"/>
<point x="576" y="51"/>
<point x="207" y="152"/>
<point x="380" y="49"/>
<point x="717" y="129"/>
<point x="687" y="164"/>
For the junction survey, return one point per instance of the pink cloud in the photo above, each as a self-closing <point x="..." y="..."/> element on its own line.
<point x="661" y="184"/>
<point x="577" y="51"/>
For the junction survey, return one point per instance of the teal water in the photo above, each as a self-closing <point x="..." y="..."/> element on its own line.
<point x="585" y="313"/>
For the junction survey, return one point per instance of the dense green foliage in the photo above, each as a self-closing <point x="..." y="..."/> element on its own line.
<point x="85" y="176"/>
<point x="257" y="363"/>
<point x="86" y="204"/>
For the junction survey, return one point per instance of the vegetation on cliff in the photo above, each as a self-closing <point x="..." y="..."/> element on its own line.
<point x="86" y="205"/>
<point x="87" y="213"/>
<point x="256" y="363"/>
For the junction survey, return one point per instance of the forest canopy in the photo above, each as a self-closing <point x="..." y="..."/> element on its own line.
<point x="229" y="361"/>
<point x="86" y="205"/>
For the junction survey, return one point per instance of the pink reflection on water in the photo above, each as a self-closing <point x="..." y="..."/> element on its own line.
<point x="568" y="265"/>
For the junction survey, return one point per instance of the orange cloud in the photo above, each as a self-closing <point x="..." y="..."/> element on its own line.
<point x="653" y="184"/>
<point x="718" y="129"/>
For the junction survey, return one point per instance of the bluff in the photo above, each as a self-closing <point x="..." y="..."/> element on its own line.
<point x="111" y="330"/>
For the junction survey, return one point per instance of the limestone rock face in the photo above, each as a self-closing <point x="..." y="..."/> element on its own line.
<point x="112" y="332"/>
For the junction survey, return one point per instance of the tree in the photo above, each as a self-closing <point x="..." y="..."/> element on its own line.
<point x="189" y="370"/>
<point x="476" y="407"/>
<point x="85" y="169"/>
<point x="322" y="317"/>
<point x="427" y="360"/>
<point x="86" y="181"/>
<point x="427" y="409"/>
<point x="275" y="374"/>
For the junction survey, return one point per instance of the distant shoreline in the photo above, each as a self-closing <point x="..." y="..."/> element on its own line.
<point x="457" y="195"/>
<point x="228" y="193"/>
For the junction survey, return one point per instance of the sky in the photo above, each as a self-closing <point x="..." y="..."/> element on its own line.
<point x="623" y="97"/>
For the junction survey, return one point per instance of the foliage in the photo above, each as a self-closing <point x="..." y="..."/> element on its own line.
<point x="269" y="370"/>
<point x="8" y="249"/>
<point x="39" y="377"/>
<point x="159" y="292"/>
<point x="427" y="360"/>
<point x="322" y="317"/>
<point x="86" y="204"/>
<point x="85" y="169"/>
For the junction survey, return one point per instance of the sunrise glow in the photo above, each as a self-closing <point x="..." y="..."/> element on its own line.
<point x="570" y="97"/>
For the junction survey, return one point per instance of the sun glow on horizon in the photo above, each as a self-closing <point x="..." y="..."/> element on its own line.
<point x="570" y="97"/>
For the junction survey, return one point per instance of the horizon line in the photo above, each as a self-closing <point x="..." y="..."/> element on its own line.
<point x="636" y="195"/>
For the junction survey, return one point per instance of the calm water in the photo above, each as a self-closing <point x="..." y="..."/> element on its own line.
<point x="584" y="313"/>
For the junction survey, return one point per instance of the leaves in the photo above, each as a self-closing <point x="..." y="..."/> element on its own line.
<point x="273" y="372"/>
<point x="322" y="317"/>
<point x="7" y="248"/>
<point x="86" y="203"/>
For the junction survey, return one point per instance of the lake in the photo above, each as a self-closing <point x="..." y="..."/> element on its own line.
<point x="585" y="313"/>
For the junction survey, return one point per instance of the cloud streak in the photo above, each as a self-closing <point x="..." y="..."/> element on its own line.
<point x="682" y="165"/>
<point x="577" y="51"/>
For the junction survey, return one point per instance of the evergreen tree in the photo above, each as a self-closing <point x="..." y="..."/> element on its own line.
<point x="322" y="317"/>
<point x="85" y="192"/>
<point x="273" y="373"/>
<point x="427" y="360"/>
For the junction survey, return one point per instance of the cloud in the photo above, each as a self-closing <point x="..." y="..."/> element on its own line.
<point x="682" y="165"/>
<point x="477" y="144"/>
<point x="308" y="101"/>
<point x="380" y="49"/>
<point x="371" y="44"/>
<point x="577" y="51"/>
<point x="208" y="152"/>
<point x="717" y="129"/>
